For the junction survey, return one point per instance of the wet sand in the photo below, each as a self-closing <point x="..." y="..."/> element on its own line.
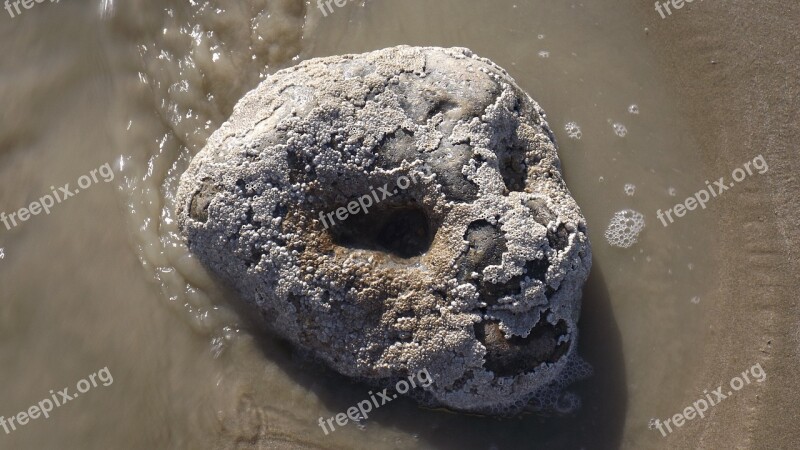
<point x="735" y="68"/>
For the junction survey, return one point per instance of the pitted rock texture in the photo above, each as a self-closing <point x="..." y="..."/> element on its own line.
<point x="473" y="271"/>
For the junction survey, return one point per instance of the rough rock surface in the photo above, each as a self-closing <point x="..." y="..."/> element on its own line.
<point x="471" y="267"/>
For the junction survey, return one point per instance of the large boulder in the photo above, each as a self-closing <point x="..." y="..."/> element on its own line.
<point x="396" y="211"/>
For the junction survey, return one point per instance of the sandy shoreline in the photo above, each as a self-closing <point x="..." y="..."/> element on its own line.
<point x="734" y="69"/>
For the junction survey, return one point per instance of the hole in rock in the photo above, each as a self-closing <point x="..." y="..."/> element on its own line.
<point x="400" y="230"/>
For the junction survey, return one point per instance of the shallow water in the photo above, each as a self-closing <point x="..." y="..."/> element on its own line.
<point x="104" y="280"/>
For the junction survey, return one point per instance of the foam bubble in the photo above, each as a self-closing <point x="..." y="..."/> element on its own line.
<point x="553" y="397"/>
<point x="544" y="54"/>
<point x="573" y="130"/>
<point x="630" y="189"/>
<point x="633" y="109"/>
<point x="624" y="228"/>
<point x="620" y="130"/>
<point x="568" y="403"/>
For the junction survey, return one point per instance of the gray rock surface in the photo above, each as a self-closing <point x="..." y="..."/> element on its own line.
<point x="470" y="260"/>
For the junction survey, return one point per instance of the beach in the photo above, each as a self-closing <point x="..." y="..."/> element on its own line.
<point x="735" y="69"/>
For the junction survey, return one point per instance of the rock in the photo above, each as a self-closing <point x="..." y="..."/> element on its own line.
<point x="401" y="210"/>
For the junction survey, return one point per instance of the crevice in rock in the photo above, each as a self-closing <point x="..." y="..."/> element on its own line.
<point x="513" y="168"/>
<point x="509" y="357"/>
<point x="559" y="239"/>
<point x="534" y="269"/>
<point x="198" y="206"/>
<point x="487" y="244"/>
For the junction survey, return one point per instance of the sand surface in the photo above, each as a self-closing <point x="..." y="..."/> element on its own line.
<point x="734" y="67"/>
